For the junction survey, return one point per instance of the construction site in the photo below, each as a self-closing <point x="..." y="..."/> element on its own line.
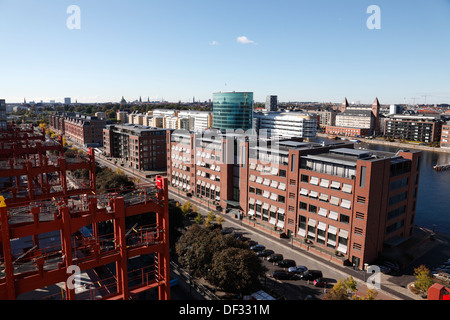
<point x="61" y="240"/>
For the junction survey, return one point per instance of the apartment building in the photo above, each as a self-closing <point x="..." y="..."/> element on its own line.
<point x="338" y="198"/>
<point x="137" y="147"/>
<point x="285" y="124"/>
<point x="197" y="165"/>
<point x="326" y="118"/>
<point x="423" y="127"/>
<point x="333" y="198"/>
<point x="81" y="129"/>
<point x="445" y="135"/>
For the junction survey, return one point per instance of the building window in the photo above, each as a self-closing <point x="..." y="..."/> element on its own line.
<point x="303" y="206"/>
<point x="344" y="218"/>
<point x="362" y="181"/>
<point x="304" y="178"/>
<point x="312" y="208"/>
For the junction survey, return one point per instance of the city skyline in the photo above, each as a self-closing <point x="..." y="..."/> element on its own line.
<point x="173" y="50"/>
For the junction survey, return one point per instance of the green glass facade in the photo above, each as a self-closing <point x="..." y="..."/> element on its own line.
<point x="233" y="110"/>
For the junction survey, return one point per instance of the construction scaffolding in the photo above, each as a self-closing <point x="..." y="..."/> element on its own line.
<point x="50" y="230"/>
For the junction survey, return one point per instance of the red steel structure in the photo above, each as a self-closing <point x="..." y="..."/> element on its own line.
<point x="45" y="209"/>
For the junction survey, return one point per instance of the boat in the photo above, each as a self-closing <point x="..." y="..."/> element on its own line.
<point x="442" y="167"/>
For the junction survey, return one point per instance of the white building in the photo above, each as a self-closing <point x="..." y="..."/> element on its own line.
<point x="286" y="124"/>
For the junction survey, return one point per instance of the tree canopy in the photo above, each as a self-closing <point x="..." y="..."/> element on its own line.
<point x="223" y="260"/>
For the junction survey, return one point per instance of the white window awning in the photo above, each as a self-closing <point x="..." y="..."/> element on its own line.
<point x="266" y="182"/>
<point x="343" y="233"/>
<point x="266" y="194"/>
<point x="347" y="188"/>
<point x="333" y="215"/>
<point x="282" y="186"/>
<point x="314" y="181"/>
<point x="335" y="185"/>
<point x="345" y="203"/>
<point x="301" y="232"/>
<point x="304" y="192"/>
<point x="274" y="184"/>
<point x="323" y="197"/>
<point x="324" y="183"/>
<point x="322" y="226"/>
<point x="313" y="194"/>
<point x="322" y="212"/>
<point x="334" y="200"/>
<point x="312" y="222"/>
<point x="332" y="230"/>
<point x="259" y="180"/>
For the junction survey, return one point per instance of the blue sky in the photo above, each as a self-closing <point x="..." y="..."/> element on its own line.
<point x="316" y="50"/>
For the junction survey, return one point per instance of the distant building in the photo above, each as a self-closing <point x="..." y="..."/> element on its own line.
<point x="198" y="120"/>
<point x="286" y="124"/>
<point x="3" y="117"/>
<point x="67" y="101"/>
<point x="233" y="110"/>
<point x="138" y="147"/>
<point x="271" y="103"/>
<point x="326" y="118"/>
<point x="84" y="130"/>
<point x="122" y="116"/>
<point x="357" y="120"/>
<point x="423" y="128"/>
<point x="445" y="135"/>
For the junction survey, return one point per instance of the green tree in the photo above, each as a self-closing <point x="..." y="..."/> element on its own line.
<point x="424" y="279"/>
<point x="341" y="289"/>
<point x="199" y="219"/>
<point x="186" y="207"/>
<point x="236" y="270"/>
<point x="211" y="217"/>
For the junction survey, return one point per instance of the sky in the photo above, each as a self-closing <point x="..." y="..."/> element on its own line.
<point x="321" y="50"/>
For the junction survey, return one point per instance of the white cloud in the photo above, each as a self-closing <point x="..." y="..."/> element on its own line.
<point x="214" y="43"/>
<point x="245" y="40"/>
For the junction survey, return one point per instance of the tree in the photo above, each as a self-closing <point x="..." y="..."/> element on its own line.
<point x="199" y="219"/>
<point x="424" y="279"/>
<point x="236" y="270"/>
<point x="221" y="259"/>
<point x="186" y="207"/>
<point x="341" y="289"/>
<point x="209" y="219"/>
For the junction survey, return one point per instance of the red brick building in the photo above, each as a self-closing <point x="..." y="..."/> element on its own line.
<point x="138" y="147"/>
<point x="84" y="130"/>
<point x="333" y="197"/>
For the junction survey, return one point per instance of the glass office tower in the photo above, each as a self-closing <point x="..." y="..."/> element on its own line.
<point x="233" y="110"/>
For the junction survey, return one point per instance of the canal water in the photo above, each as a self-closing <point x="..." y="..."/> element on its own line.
<point x="433" y="203"/>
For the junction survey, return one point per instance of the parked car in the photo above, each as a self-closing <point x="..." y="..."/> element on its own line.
<point x="275" y="257"/>
<point x="283" y="275"/>
<point x="394" y="266"/>
<point x="298" y="269"/>
<point x="257" y="247"/>
<point x="384" y="269"/>
<point x="286" y="263"/>
<point x="265" y="253"/>
<point x="320" y="282"/>
<point x="226" y="231"/>
<point x="252" y="243"/>
<point x="311" y="275"/>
